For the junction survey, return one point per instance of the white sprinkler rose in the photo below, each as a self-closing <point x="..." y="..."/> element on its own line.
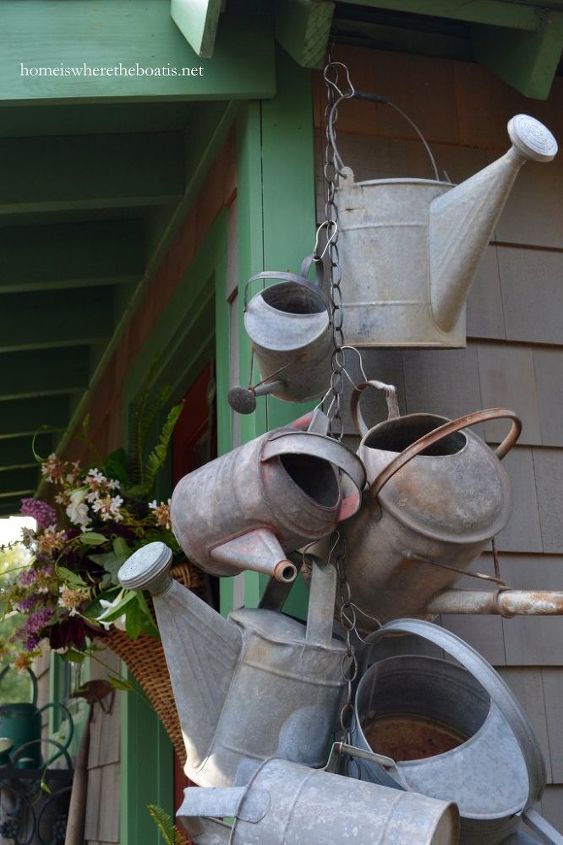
<point x="77" y="509"/>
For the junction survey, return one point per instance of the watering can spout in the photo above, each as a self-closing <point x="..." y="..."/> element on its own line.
<point x="201" y="647"/>
<point x="463" y="219"/>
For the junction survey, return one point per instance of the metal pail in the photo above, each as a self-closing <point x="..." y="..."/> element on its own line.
<point x="454" y="732"/>
<point x="289" y="804"/>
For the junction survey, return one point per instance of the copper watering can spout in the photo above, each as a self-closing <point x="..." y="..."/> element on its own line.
<point x="463" y="219"/>
<point x="249" y="687"/>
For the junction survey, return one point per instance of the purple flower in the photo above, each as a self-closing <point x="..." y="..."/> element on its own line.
<point x="27" y="577"/>
<point x="31" y="642"/>
<point x="27" y="604"/>
<point x="41" y="511"/>
<point x="36" y="621"/>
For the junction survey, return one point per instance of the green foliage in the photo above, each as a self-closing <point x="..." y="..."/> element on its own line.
<point x="116" y="466"/>
<point x="169" y="832"/>
<point x="157" y="456"/>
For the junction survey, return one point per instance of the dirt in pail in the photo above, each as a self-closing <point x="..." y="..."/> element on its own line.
<point x="407" y="737"/>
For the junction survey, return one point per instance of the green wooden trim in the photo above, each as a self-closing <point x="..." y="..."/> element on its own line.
<point x="118" y="35"/>
<point x="53" y="372"/>
<point x="404" y="39"/>
<point x="527" y="61"/>
<point x="21" y="417"/>
<point x="492" y="12"/>
<point x="18" y="452"/>
<point x="197" y="21"/>
<point x="303" y="29"/>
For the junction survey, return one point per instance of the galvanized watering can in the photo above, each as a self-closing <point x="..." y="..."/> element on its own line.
<point x="288" y="804"/>
<point x="250" y="508"/>
<point x="289" y="326"/>
<point x="21" y="722"/>
<point x="437" y="494"/>
<point x="453" y="731"/>
<point x="248" y="687"/>
<point x="410" y="248"/>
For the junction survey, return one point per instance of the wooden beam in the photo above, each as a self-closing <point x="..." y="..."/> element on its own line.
<point x="378" y="36"/>
<point x="68" y="255"/>
<point x="113" y="49"/>
<point x="26" y="416"/>
<point x="15" y="483"/>
<point x="197" y="21"/>
<point x="53" y="372"/>
<point x="491" y="12"/>
<point x="17" y="452"/>
<point x="47" y="319"/>
<point x="90" y="172"/>
<point x="527" y="61"/>
<point x="303" y="29"/>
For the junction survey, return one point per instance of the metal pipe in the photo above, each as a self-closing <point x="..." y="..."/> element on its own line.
<point x="501" y="602"/>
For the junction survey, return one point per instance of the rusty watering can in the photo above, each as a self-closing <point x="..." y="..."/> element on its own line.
<point x="251" y="507"/>
<point x="248" y="687"/>
<point x="289" y="804"/>
<point x="21" y="722"/>
<point x="453" y="731"/>
<point x="436" y="496"/>
<point x="410" y="248"/>
<point x="289" y="326"/>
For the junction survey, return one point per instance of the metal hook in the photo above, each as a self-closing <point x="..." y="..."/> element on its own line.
<point x="359" y="354"/>
<point x="329" y="224"/>
<point x="333" y="82"/>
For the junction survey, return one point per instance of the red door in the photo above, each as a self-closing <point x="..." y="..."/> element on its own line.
<point x="194" y="442"/>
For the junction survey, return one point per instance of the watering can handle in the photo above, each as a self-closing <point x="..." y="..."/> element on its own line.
<point x="317" y="445"/>
<point x="60" y="752"/>
<point x="31" y="675"/>
<point x="297" y="279"/>
<point x="491" y="682"/>
<point x="444" y="431"/>
<point x="55" y="705"/>
<point x="390" y="397"/>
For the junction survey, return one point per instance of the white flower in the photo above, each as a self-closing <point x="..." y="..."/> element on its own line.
<point x="77" y="510"/>
<point x="108" y="607"/>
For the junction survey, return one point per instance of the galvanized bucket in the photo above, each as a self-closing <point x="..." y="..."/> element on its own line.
<point x="289" y="326"/>
<point x="288" y="804"/>
<point x="410" y="248"/>
<point x="436" y="496"/>
<point x="251" y="507"/>
<point x="453" y="732"/>
<point x="249" y="687"/>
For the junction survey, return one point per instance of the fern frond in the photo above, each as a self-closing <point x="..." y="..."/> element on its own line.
<point x="164" y="823"/>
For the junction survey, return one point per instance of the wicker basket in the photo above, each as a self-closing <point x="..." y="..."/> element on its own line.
<point x="145" y="659"/>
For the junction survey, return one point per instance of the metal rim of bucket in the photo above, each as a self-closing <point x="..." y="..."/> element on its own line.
<point x="499" y="692"/>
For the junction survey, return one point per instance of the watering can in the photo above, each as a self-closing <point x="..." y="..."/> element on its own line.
<point x="289" y="326"/>
<point x="21" y="722"/>
<point x="453" y="731"/>
<point x="436" y="496"/>
<point x="289" y="804"/>
<point x="256" y="684"/>
<point x="251" y="507"/>
<point x="410" y="248"/>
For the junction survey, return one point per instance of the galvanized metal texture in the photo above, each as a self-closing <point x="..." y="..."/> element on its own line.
<point x="248" y="687"/>
<point x="289" y="804"/>
<point x="410" y="248"/>
<point x="436" y="497"/>
<point x="251" y="507"/>
<point x="503" y="602"/>
<point x="493" y="775"/>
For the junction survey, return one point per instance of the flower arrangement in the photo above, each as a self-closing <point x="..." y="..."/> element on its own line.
<point x="64" y="591"/>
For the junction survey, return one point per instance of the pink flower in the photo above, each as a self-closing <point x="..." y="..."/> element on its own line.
<point x="41" y="511"/>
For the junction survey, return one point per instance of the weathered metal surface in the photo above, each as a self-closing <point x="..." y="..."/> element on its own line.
<point x="289" y="326"/>
<point x="495" y="773"/>
<point x="256" y="685"/>
<point x="250" y="508"/>
<point x="436" y="496"/>
<point x="289" y="804"/>
<point x="502" y="602"/>
<point x="410" y="247"/>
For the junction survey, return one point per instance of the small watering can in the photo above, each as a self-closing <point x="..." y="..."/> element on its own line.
<point x="289" y="804"/>
<point x="21" y="722"/>
<point x="410" y="248"/>
<point x="248" y="687"/>
<point x="453" y="731"/>
<point x="251" y="507"/>
<point x="437" y="494"/>
<point x="289" y="326"/>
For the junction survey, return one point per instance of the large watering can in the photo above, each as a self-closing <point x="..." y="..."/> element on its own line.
<point x="248" y="687"/>
<point x="251" y="507"/>
<point x="289" y="326"/>
<point x="21" y="722"/>
<point x="436" y="496"/>
<point x="410" y="248"/>
<point x="453" y="731"/>
<point x="289" y="804"/>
